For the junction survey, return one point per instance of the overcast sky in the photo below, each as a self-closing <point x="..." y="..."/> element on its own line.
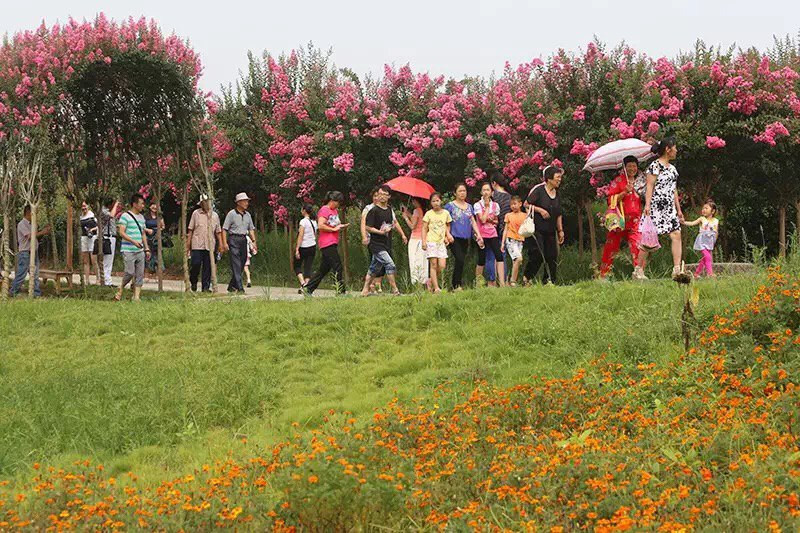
<point x="438" y="36"/>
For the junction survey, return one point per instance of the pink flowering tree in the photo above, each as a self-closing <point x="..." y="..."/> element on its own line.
<point x="108" y="93"/>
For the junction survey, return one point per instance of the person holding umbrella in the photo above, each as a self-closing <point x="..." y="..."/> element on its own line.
<point x="417" y="259"/>
<point x="624" y="189"/>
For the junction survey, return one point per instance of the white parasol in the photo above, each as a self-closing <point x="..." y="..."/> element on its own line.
<point x="610" y="156"/>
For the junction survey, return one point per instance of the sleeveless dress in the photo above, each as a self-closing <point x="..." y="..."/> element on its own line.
<point x="708" y="234"/>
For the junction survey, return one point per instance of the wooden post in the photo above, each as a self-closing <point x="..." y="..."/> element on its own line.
<point x="69" y="248"/>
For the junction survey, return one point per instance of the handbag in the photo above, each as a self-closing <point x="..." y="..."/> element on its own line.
<point x="615" y="215"/>
<point x="106" y="246"/>
<point x="96" y="246"/>
<point x="528" y="227"/>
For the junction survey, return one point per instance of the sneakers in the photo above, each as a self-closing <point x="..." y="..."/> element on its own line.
<point x="638" y="274"/>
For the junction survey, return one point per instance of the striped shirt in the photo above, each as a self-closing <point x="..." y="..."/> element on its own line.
<point x="134" y="231"/>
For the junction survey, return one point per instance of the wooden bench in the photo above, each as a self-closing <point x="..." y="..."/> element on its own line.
<point x="56" y="276"/>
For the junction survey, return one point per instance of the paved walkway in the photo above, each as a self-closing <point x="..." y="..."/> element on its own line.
<point x="173" y="285"/>
<point x="256" y="291"/>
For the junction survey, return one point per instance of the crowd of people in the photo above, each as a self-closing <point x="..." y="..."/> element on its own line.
<point x="505" y="228"/>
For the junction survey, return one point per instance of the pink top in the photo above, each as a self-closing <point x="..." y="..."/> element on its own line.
<point x="489" y="229"/>
<point x="331" y="218"/>
<point x="416" y="233"/>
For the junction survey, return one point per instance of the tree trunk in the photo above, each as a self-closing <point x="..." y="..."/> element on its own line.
<point x="345" y="258"/>
<point x="160" y="258"/>
<point x="4" y="286"/>
<point x="592" y="233"/>
<point x="69" y="248"/>
<point x="291" y="245"/>
<point x="34" y="251"/>
<point x="182" y="235"/>
<point x="797" y="220"/>
<point x="77" y="231"/>
<point x="51" y="218"/>
<point x="212" y="239"/>
<point x="782" y="231"/>
<point x="580" y="231"/>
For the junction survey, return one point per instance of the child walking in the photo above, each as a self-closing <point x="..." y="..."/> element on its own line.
<point x="435" y="238"/>
<point x="512" y="240"/>
<point x="704" y="243"/>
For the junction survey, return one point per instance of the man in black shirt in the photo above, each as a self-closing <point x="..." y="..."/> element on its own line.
<point x="380" y="222"/>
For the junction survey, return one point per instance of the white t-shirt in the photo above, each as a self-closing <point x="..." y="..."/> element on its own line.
<point x="309" y="233"/>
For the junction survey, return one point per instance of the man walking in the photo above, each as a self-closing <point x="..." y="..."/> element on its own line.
<point x="24" y="254"/>
<point x="134" y="248"/>
<point x="200" y="242"/>
<point x="379" y="223"/>
<point x="238" y="225"/>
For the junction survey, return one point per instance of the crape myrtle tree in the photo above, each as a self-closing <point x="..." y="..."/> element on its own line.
<point x="114" y="98"/>
<point x="725" y="106"/>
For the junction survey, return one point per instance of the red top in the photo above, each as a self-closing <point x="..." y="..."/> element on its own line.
<point x="630" y="201"/>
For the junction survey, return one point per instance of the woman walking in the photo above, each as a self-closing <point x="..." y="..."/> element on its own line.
<point x="151" y="223"/>
<point x="661" y="201"/>
<point x="417" y="260"/>
<point x="306" y="247"/>
<point x="89" y="243"/>
<point x="330" y="226"/>
<point x="462" y="229"/>
<point x="487" y="213"/>
<point x="546" y="206"/>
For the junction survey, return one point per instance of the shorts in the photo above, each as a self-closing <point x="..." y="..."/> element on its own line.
<point x="382" y="263"/>
<point x="134" y="267"/>
<point x="436" y="250"/>
<point x="87" y="244"/>
<point x="514" y="248"/>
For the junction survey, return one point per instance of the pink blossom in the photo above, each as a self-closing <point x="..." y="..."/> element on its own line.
<point x="772" y="132"/>
<point x="471" y="155"/>
<point x="580" y="113"/>
<point x="714" y="143"/>
<point x="344" y="162"/>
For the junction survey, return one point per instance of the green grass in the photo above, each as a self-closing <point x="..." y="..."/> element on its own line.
<point x="168" y="384"/>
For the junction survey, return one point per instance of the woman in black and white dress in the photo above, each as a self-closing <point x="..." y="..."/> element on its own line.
<point x="661" y="200"/>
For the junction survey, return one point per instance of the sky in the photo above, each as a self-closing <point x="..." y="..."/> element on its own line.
<point x="454" y="38"/>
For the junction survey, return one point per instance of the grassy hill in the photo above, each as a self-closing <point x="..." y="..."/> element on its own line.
<point x="166" y="387"/>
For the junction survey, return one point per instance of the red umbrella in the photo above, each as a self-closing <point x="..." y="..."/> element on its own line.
<point x="411" y="186"/>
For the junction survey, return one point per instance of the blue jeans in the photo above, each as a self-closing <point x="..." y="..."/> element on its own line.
<point x="382" y="261"/>
<point x="23" y="265"/>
